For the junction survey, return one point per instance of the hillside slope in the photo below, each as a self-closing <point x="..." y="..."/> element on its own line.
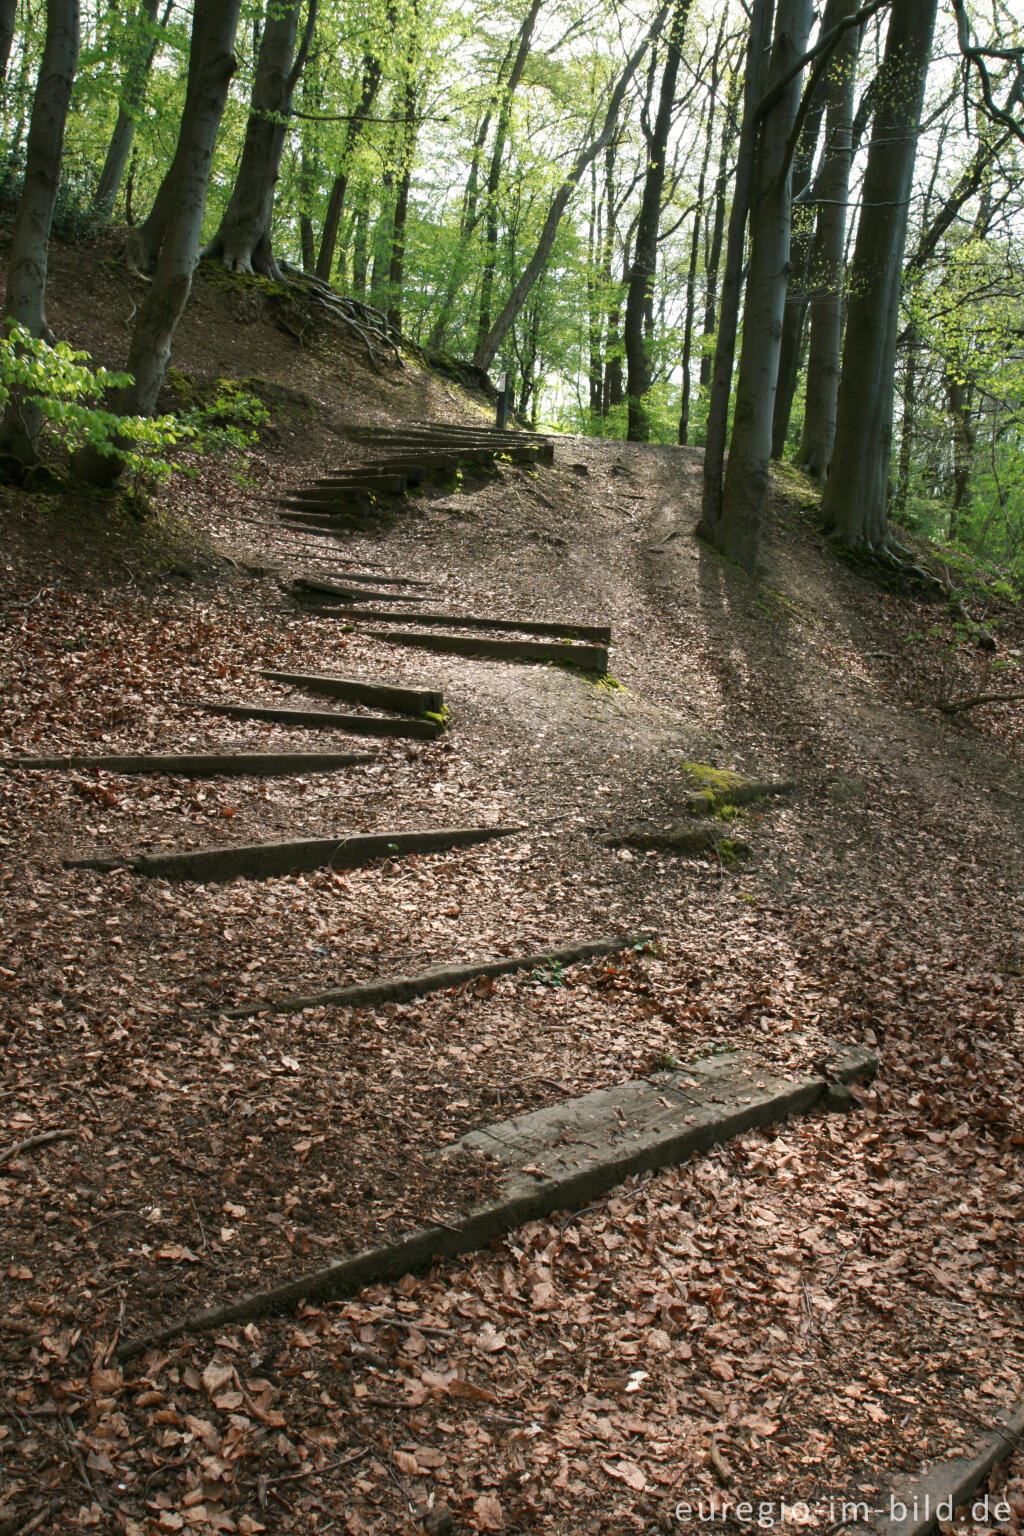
<point x="208" y="1155"/>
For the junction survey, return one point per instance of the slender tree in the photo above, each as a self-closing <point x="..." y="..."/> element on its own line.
<point x="25" y="301"/>
<point x="211" y="66"/>
<point x="243" y="241"/>
<point x="728" y="318"/>
<point x="641" y="277"/>
<point x="487" y="348"/>
<point x="141" y="47"/>
<point x="738" y="531"/>
<point x="832" y="190"/>
<point x="373" y="73"/>
<point x="854" y="504"/>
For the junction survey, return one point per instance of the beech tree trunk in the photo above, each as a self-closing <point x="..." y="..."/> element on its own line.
<point x="641" y="277"/>
<point x="243" y="241"/>
<point x="487" y="349"/>
<point x="25" y="301"/>
<point x="142" y="52"/>
<point x="854" y="504"/>
<point x="728" y="318"/>
<point x="691" y="271"/>
<point x="795" y="315"/>
<point x="214" y="25"/>
<point x="738" y="532"/>
<point x="832" y="192"/>
<point x="714" y="238"/>
<point x="490" y="208"/>
<point x="8" y="22"/>
<point x="372" y="74"/>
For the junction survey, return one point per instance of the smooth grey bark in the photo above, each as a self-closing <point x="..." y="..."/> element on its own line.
<point x="243" y="241"/>
<point x="832" y="190"/>
<point x="645" y="255"/>
<point x="728" y="318"/>
<point x="487" y="349"/>
<point x="141" y="51"/>
<point x="854" y="505"/>
<point x="372" y="75"/>
<point x="793" y="321"/>
<point x="490" y="209"/>
<point x="214" y="25"/>
<point x="716" y="234"/>
<point x="25" y="300"/>
<point x="146" y="239"/>
<point x="698" y="219"/>
<point x="738" y="531"/>
<point x="8" y="21"/>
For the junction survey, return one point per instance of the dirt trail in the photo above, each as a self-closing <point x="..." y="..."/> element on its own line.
<point x="882" y="904"/>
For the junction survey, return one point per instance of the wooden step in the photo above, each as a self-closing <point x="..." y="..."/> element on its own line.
<point x="364" y="577"/>
<point x="439" y="978"/>
<point x="589" y="658"/>
<point x="315" y="506"/>
<point x="304" y="593"/>
<point x="404" y="701"/>
<point x="600" y="633"/>
<point x="266" y="861"/>
<point x="200" y="765"/>
<point x="325" y="719"/>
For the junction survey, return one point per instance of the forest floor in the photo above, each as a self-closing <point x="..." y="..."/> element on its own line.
<point x="801" y="1317"/>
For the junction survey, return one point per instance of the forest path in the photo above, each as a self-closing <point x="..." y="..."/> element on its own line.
<point x="212" y="1155"/>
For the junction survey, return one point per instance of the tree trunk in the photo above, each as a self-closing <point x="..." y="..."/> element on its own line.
<point x="725" y="346"/>
<point x="8" y="22"/>
<point x="856" y="492"/>
<point x="147" y="238"/>
<point x="372" y="72"/>
<point x="641" y="277"/>
<point x="142" y="48"/>
<point x="360" y="249"/>
<point x="791" y="347"/>
<point x="214" y="25"/>
<point x="25" y="301"/>
<point x="698" y="219"/>
<point x="713" y="242"/>
<point x="487" y="349"/>
<point x="908" y="425"/>
<point x="243" y="241"/>
<point x="826" y="263"/>
<point x="495" y="167"/>
<point x="613" y="391"/>
<point x="738" y="532"/>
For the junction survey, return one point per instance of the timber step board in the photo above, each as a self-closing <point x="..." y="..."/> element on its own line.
<point x="599" y="633"/>
<point x="562" y="1159"/>
<point x="326" y="591"/>
<point x="355" y="595"/>
<point x="314" y="583"/>
<point x="450" y="429"/>
<point x="375" y="480"/>
<point x="326" y="720"/>
<point x="590" y="658"/>
<point x="341" y="485"/>
<point x="201" y="765"/>
<point x="433" y="454"/>
<point x="437" y="978"/>
<point x="294" y="507"/>
<point x="404" y="701"/>
<point x="265" y="861"/>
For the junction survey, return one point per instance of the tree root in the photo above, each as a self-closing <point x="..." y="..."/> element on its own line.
<point x="957" y="706"/>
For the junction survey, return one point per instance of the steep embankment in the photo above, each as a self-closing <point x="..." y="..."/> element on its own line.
<point x="788" y="1283"/>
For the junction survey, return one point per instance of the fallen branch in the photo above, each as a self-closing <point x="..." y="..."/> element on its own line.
<point x="956" y="706"/>
<point x="33" y="1141"/>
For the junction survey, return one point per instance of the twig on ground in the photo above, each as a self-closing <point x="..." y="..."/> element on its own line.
<point x="41" y="1140"/>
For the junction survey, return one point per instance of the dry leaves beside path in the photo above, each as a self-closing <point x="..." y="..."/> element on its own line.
<point x="813" y="1312"/>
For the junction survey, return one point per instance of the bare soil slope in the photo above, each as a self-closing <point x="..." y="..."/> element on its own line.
<point x="825" y="1307"/>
